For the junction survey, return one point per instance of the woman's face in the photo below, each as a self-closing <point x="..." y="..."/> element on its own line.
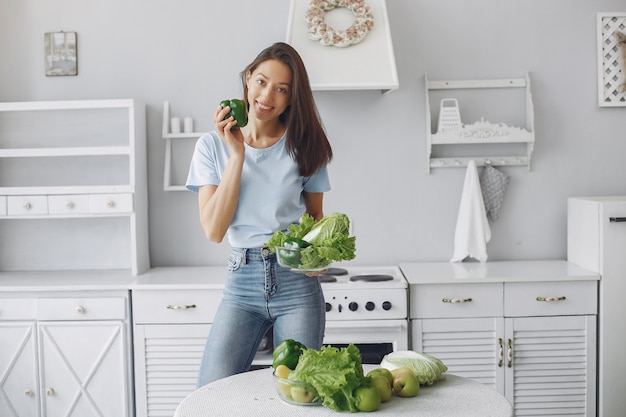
<point x="269" y="90"/>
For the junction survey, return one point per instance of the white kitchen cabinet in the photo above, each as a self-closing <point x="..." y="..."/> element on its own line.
<point x="73" y="185"/>
<point x="596" y="239"/>
<point x="65" y="356"/>
<point x="533" y="340"/>
<point x="173" y="309"/>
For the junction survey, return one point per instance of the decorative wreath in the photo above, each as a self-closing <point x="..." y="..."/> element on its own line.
<point x="326" y="35"/>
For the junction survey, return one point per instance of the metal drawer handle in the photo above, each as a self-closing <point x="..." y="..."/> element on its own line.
<point x="500" y="352"/>
<point x="28" y="393"/>
<point x="50" y="391"/>
<point x="551" y="299"/>
<point x="110" y="204"/>
<point x="80" y="309"/>
<point x="456" y="300"/>
<point x="509" y="353"/>
<point x="171" y="307"/>
<point x="27" y="206"/>
<point x="617" y="219"/>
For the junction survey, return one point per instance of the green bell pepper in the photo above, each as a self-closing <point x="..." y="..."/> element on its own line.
<point x="295" y="243"/>
<point x="289" y="254"/>
<point x="237" y="111"/>
<point x="287" y="353"/>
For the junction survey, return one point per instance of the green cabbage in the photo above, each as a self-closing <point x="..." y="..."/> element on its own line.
<point x="427" y="367"/>
<point x="329" y="239"/>
<point x="335" y="373"/>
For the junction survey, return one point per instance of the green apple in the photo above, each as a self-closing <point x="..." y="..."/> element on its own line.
<point x="382" y="371"/>
<point x="301" y="394"/>
<point x="405" y="382"/>
<point x="367" y="398"/>
<point x="383" y="386"/>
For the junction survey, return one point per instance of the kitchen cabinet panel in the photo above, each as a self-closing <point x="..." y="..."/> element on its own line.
<point x="469" y="347"/>
<point x="19" y="393"/>
<point x="167" y="359"/>
<point x="550" y="298"/>
<point x="83" y="369"/>
<point x="456" y="300"/>
<point x="552" y="370"/>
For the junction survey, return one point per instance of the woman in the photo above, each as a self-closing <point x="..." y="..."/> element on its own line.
<point x="252" y="181"/>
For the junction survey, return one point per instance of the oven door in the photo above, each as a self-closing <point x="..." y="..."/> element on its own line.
<point x="374" y="338"/>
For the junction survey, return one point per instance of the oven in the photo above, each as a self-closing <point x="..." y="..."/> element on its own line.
<point x="367" y="306"/>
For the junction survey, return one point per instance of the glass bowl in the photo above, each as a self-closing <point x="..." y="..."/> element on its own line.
<point x="290" y="258"/>
<point x="295" y="392"/>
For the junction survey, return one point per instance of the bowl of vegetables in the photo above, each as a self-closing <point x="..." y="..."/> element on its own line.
<point x="299" y="257"/>
<point x="295" y="392"/>
<point x="311" y="246"/>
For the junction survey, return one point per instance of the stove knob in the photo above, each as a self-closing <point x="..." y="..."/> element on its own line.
<point x="387" y="305"/>
<point x="328" y="307"/>
<point x="369" y="306"/>
<point x="353" y="306"/>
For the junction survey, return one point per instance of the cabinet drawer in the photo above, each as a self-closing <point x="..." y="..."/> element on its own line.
<point x="550" y="298"/>
<point x="3" y="205"/>
<point x="76" y="308"/>
<point x="25" y="205"/>
<point x="110" y="203"/>
<point x="68" y="204"/>
<point x="456" y="300"/>
<point x="18" y="309"/>
<point x="175" y="306"/>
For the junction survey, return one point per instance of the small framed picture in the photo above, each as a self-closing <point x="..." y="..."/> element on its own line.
<point x="61" y="53"/>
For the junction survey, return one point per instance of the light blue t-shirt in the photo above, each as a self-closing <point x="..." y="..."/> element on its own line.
<point x="270" y="195"/>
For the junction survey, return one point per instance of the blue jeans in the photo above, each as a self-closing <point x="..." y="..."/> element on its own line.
<point x="259" y="294"/>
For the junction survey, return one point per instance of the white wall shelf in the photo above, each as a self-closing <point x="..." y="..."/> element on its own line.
<point x="73" y="185"/>
<point x="169" y="138"/>
<point x="480" y="132"/>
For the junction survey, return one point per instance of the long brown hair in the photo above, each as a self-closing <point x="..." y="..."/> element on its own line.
<point x="306" y="139"/>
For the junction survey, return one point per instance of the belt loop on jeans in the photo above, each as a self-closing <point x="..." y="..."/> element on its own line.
<point x="244" y="254"/>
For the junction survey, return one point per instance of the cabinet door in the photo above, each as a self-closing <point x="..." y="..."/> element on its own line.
<point x="84" y="369"/>
<point x="167" y="359"/>
<point x="470" y="348"/>
<point x="553" y="370"/>
<point x="19" y="392"/>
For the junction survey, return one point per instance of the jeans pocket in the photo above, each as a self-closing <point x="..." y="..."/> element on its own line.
<point x="234" y="261"/>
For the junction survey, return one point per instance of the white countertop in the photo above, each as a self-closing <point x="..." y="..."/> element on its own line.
<point x="87" y="280"/>
<point x="195" y="277"/>
<point x="212" y="277"/>
<point x="504" y="271"/>
<point x="253" y="394"/>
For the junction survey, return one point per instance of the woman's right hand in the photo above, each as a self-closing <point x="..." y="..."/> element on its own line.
<point x="232" y="138"/>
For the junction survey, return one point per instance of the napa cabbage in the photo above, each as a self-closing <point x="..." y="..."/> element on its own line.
<point x="427" y="367"/>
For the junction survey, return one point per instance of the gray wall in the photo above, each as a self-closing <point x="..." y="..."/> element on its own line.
<point x="190" y="53"/>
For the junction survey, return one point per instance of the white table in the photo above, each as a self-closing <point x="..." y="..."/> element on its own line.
<point x="253" y="394"/>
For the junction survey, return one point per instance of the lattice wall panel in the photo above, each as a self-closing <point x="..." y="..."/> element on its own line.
<point x="611" y="65"/>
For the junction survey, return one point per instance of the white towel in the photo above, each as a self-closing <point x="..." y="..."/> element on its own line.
<point x="472" y="227"/>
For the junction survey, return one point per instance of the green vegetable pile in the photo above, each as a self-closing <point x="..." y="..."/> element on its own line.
<point x="335" y="373"/>
<point x="320" y="242"/>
